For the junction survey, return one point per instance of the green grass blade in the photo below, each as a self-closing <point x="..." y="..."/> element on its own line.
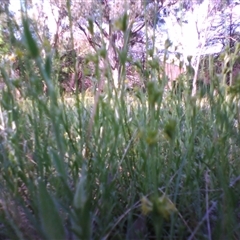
<point x="51" y="222"/>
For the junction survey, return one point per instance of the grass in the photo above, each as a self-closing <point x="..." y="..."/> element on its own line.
<point x="165" y="170"/>
<point x="148" y="165"/>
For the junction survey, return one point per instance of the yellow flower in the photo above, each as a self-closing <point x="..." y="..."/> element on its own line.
<point x="161" y="206"/>
<point x="19" y="53"/>
<point x="165" y="206"/>
<point x="12" y="57"/>
<point x="146" y="206"/>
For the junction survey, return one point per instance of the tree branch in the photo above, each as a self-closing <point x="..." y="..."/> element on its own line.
<point x="106" y="35"/>
<point x="90" y="40"/>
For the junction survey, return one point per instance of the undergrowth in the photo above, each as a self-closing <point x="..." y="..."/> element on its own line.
<point x="154" y="165"/>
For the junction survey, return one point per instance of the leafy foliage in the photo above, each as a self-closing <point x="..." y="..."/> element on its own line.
<point x="117" y="165"/>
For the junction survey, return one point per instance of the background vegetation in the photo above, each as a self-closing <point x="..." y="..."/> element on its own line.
<point x="108" y="163"/>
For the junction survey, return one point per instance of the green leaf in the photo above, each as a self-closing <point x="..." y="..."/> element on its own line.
<point x="51" y="221"/>
<point x="80" y="197"/>
<point x="90" y="26"/>
<point x="154" y="64"/>
<point x="59" y="164"/>
<point x="48" y="66"/>
<point x="123" y="56"/>
<point x="170" y="129"/>
<point x="103" y="52"/>
<point x="152" y="137"/>
<point x="124" y="22"/>
<point x="31" y="43"/>
<point x="154" y="93"/>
